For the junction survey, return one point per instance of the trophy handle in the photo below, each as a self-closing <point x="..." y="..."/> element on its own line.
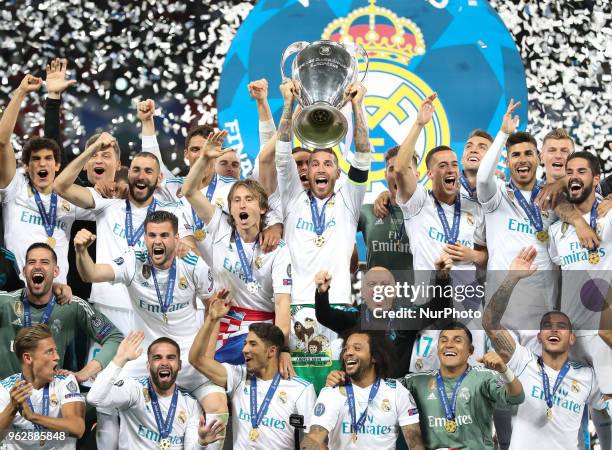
<point x="361" y="51"/>
<point x="293" y="48"/>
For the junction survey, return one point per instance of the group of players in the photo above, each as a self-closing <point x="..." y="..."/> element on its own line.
<point x="205" y="272"/>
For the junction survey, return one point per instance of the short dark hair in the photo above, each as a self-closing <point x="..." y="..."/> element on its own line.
<point x="27" y="339"/>
<point x="164" y="340"/>
<point x="433" y="151"/>
<point x="381" y="350"/>
<point x="44" y="245"/>
<point x="147" y="155"/>
<point x="324" y="150"/>
<point x="39" y="143"/>
<point x="558" y="133"/>
<point x="256" y="188"/>
<point x="199" y="130"/>
<point x="270" y="334"/>
<point x="161" y="217"/>
<point x="94" y="137"/>
<point x="300" y="149"/>
<point x="591" y="159"/>
<point x="458" y="326"/>
<point x="393" y="151"/>
<point x="519" y="137"/>
<point x="550" y="313"/>
<point x="481" y="133"/>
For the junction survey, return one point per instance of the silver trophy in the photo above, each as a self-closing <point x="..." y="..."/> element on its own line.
<point x="323" y="70"/>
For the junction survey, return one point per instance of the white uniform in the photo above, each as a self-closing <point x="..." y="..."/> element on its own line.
<point x="294" y="396"/>
<point x="582" y="283"/>
<point x="341" y="218"/>
<point x="192" y="280"/>
<point x="531" y="428"/>
<point x="23" y="224"/>
<point x="392" y="408"/>
<point x="426" y="233"/>
<point x="63" y="389"/>
<point x="138" y="426"/>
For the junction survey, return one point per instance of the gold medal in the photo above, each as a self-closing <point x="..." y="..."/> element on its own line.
<point x="199" y="234"/>
<point x="450" y="425"/>
<point x="253" y="434"/>
<point x="542" y="236"/>
<point x="594" y="257"/>
<point x="549" y="414"/>
<point x="259" y="262"/>
<point x="164" y="444"/>
<point x="354" y="437"/>
<point x="319" y="241"/>
<point x="51" y="241"/>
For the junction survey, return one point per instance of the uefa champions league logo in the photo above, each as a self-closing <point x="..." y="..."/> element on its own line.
<point x="415" y="49"/>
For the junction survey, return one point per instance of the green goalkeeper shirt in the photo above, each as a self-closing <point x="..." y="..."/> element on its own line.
<point x="480" y="392"/>
<point x="64" y="322"/>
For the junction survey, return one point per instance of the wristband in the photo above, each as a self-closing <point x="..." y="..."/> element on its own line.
<point x="285" y="349"/>
<point x="508" y="375"/>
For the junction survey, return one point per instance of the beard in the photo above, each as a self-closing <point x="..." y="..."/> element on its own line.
<point x="165" y="384"/>
<point x="586" y="191"/>
<point x="148" y="193"/>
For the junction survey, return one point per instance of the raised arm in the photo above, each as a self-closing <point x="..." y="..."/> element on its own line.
<point x="8" y="164"/>
<point x="218" y="306"/>
<point x="64" y="183"/>
<point x="522" y="266"/>
<point x="485" y="178"/>
<point x="332" y="318"/>
<point x="258" y="90"/>
<point x="89" y="271"/>
<point x="406" y="180"/>
<point x="191" y="186"/>
<point x="146" y="113"/>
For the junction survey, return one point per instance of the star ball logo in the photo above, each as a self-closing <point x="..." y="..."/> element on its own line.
<point x="459" y="49"/>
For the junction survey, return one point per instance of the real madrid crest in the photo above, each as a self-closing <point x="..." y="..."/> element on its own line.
<point x="510" y="193"/>
<point x="182" y="417"/>
<point x="385" y="405"/>
<point x="342" y="391"/>
<point x="219" y="202"/>
<point x="575" y="387"/>
<point x="18" y="308"/>
<point x="145" y="394"/>
<point x="282" y="397"/>
<point x="54" y="401"/>
<point x="432" y="385"/>
<point x="65" y="206"/>
<point x="183" y="283"/>
<point x="470" y="218"/>
<point x="259" y="262"/>
<point x="564" y="227"/>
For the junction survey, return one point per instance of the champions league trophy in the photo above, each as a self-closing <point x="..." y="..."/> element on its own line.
<point x="323" y="71"/>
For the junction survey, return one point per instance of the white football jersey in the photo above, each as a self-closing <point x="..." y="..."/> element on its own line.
<point x="23" y="224"/>
<point x="138" y="426"/>
<point x="294" y="396"/>
<point x="341" y="218"/>
<point x="580" y="270"/>
<point x="508" y="230"/>
<point x="193" y="280"/>
<point x="272" y="271"/>
<point x="531" y="428"/>
<point x="109" y="215"/>
<point x="392" y="408"/>
<point x="63" y="389"/>
<point x="426" y="233"/>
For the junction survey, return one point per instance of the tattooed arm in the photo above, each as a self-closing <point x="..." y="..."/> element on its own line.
<point x="522" y="266"/>
<point x="315" y="439"/>
<point x="289" y="90"/>
<point x="412" y="435"/>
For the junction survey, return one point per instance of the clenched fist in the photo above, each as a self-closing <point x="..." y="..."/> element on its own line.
<point x="83" y="239"/>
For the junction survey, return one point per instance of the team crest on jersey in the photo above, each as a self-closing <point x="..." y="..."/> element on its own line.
<point x="183" y="283"/>
<point x="432" y="385"/>
<point x="599" y="227"/>
<point x="418" y="363"/>
<point x="564" y="227"/>
<point x="282" y="397"/>
<point x="575" y="387"/>
<point x="319" y="409"/>
<point x="119" y="261"/>
<point x="289" y="270"/>
<point x="342" y="391"/>
<point x="545" y="213"/>
<point x="259" y="262"/>
<point x="65" y="206"/>
<point x="56" y="326"/>
<point x="464" y="394"/>
<point x="146" y="271"/>
<point x="331" y="203"/>
<point x="119" y="383"/>
<point x="470" y="218"/>
<point x="72" y="387"/>
<point x="96" y="321"/>
<point x="182" y="417"/>
<point x="18" y="308"/>
<point x="145" y="394"/>
<point x="219" y="202"/>
<point x="510" y="193"/>
<point x="54" y="401"/>
<point x="385" y="405"/>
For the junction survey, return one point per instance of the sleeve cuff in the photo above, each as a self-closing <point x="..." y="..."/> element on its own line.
<point x="267" y="126"/>
<point x="149" y="141"/>
<point x="361" y="161"/>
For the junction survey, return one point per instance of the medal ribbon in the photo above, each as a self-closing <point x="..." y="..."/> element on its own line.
<point x="357" y="424"/>
<point x="532" y="211"/>
<point x="449" y="408"/>
<point x="548" y="396"/>
<point x="451" y="234"/>
<point x="593" y="220"/>
<point x="27" y="315"/>
<point x="48" y="220"/>
<point x="169" y="294"/>
<point x="257" y="416"/>
<point x="244" y="263"/>
<point x="402" y="229"/>
<point x="132" y="236"/>
<point x="45" y="404"/>
<point x="318" y="220"/>
<point x="164" y="427"/>
<point x="466" y="185"/>
<point x="199" y="223"/>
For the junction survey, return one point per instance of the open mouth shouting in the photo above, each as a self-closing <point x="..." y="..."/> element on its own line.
<point x="558" y="165"/>
<point x="553" y="339"/>
<point x="575" y="187"/>
<point x="99" y="170"/>
<point x="164" y="375"/>
<point x="321" y="182"/>
<point x="43" y="174"/>
<point x="38" y="279"/>
<point x="450" y="182"/>
<point x="351" y="364"/>
<point x="243" y="217"/>
<point x="473" y="158"/>
<point x="523" y="170"/>
<point x="159" y="251"/>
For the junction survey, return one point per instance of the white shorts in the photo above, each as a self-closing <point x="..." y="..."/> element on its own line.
<point x="592" y="350"/>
